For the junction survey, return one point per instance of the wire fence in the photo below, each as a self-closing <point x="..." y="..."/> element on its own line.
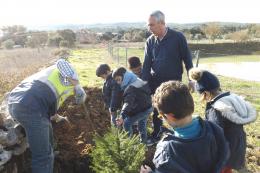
<point x="246" y="67"/>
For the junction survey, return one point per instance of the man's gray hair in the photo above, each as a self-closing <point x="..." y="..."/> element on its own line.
<point x="159" y="16"/>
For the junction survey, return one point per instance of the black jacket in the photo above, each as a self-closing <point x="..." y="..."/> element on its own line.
<point x="165" y="57"/>
<point x="230" y="112"/>
<point x="112" y="94"/>
<point x="207" y="153"/>
<point x="137" y="98"/>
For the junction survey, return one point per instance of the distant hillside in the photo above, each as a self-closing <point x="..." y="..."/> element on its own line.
<point x="124" y="25"/>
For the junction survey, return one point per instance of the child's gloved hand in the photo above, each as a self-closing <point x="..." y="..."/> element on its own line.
<point x="80" y="95"/>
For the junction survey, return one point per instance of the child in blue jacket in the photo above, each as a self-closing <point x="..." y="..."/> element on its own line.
<point x="137" y="104"/>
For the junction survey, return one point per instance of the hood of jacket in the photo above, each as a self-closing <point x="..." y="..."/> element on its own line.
<point x="128" y="79"/>
<point x="236" y="109"/>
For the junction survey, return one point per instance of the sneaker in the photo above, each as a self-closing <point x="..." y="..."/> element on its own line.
<point x="152" y="141"/>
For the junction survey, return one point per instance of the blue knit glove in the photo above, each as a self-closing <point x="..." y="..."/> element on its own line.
<point x="80" y="95"/>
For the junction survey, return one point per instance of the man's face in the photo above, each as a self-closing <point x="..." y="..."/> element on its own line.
<point x="137" y="70"/>
<point x="119" y="80"/>
<point x="154" y="26"/>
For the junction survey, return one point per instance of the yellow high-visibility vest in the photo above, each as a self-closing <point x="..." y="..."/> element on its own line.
<point x="62" y="91"/>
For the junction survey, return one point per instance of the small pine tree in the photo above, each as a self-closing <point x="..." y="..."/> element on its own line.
<point x="117" y="153"/>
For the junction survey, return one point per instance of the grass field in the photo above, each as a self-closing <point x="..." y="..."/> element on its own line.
<point x="86" y="60"/>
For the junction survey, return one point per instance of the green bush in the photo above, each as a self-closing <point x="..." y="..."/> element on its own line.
<point x="8" y="44"/>
<point x="115" y="152"/>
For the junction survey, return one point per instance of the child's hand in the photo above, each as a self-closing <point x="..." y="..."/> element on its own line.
<point x="145" y="169"/>
<point x="119" y="121"/>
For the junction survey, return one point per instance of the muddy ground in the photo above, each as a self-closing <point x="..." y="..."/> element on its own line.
<point x="73" y="141"/>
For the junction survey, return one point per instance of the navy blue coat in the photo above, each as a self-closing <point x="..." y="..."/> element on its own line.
<point x="234" y="133"/>
<point x="112" y="94"/>
<point x="165" y="58"/>
<point x="136" y="100"/>
<point x="207" y="153"/>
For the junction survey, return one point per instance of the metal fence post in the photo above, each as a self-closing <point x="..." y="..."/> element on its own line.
<point x="118" y="55"/>
<point x="197" y="57"/>
<point x="126" y="56"/>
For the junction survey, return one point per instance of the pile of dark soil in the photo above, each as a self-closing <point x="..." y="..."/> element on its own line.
<point x="73" y="141"/>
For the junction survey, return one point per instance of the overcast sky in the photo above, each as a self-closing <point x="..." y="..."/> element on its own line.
<point x="45" y="12"/>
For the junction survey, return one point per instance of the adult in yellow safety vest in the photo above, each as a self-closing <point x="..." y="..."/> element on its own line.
<point x="35" y="100"/>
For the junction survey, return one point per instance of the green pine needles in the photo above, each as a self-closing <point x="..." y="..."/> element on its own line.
<point x="115" y="152"/>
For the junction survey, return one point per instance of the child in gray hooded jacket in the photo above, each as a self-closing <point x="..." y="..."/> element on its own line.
<point x="229" y="111"/>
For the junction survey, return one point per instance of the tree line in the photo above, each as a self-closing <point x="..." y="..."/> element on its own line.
<point x="18" y="36"/>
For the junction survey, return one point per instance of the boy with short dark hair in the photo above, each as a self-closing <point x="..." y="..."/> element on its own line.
<point x="111" y="91"/>
<point x="137" y="104"/>
<point x="135" y="65"/>
<point x="191" y="145"/>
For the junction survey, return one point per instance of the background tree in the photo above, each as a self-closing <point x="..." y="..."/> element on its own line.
<point x="68" y="35"/>
<point x="17" y="33"/>
<point x="239" y="36"/>
<point x="54" y="39"/>
<point x="254" y="30"/>
<point x="212" y="31"/>
<point x="8" y="44"/>
<point x="37" y="39"/>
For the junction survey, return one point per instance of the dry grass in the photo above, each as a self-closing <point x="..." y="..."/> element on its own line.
<point x="17" y="64"/>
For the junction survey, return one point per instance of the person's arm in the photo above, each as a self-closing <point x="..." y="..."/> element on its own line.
<point x="71" y="78"/>
<point x="115" y="97"/>
<point x="187" y="59"/>
<point x="147" y="65"/>
<point x="185" y="53"/>
<point x="129" y="104"/>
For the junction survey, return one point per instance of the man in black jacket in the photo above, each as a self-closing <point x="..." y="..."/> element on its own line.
<point x="111" y="91"/>
<point x="165" y="52"/>
<point x="137" y="104"/>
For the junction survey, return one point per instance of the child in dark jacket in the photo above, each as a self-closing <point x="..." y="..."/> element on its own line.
<point x="135" y="65"/>
<point x="111" y="91"/>
<point x="137" y="104"/>
<point x="191" y="144"/>
<point x="229" y="111"/>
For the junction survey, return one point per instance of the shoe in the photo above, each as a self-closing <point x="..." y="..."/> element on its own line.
<point x="152" y="141"/>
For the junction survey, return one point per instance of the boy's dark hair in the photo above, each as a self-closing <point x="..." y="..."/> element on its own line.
<point x="174" y="97"/>
<point x="134" y="62"/>
<point x="119" y="72"/>
<point x="102" y="69"/>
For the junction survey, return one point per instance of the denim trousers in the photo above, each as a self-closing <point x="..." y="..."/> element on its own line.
<point x="141" y="119"/>
<point x="39" y="134"/>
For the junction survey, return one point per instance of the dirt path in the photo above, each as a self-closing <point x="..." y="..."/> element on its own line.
<point x="244" y="70"/>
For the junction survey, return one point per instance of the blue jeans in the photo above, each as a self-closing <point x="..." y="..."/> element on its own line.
<point x="39" y="133"/>
<point x="141" y="118"/>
